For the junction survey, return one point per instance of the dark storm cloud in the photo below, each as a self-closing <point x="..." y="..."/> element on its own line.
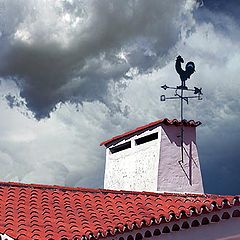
<point x="220" y="162"/>
<point x="224" y="15"/>
<point x="71" y="50"/>
<point x="230" y="7"/>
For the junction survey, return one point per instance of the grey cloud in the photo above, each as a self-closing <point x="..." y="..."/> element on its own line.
<point x="55" y="61"/>
<point x="13" y="101"/>
<point x="52" y="172"/>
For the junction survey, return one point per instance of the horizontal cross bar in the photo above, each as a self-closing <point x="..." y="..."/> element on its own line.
<point x="164" y="98"/>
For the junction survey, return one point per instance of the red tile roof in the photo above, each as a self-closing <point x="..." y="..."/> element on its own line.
<point x="175" y="122"/>
<point x="30" y="211"/>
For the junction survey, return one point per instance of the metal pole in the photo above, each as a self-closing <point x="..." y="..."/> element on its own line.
<point x="182" y="124"/>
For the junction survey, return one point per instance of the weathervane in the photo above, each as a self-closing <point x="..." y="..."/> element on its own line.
<point x="179" y="91"/>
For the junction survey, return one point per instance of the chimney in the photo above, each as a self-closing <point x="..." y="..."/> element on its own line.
<point x="149" y="158"/>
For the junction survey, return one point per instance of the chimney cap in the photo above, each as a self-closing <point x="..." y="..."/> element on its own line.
<point x="166" y="121"/>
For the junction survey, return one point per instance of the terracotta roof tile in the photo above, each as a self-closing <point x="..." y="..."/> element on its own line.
<point x="31" y="211"/>
<point x="175" y="122"/>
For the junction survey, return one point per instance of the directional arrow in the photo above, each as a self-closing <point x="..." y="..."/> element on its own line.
<point x="197" y="90"/>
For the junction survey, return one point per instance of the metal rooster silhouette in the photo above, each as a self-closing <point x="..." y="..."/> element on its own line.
<point x="184" y="75"/>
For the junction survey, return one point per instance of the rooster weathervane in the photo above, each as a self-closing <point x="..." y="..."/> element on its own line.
<point x="179" y="91"/>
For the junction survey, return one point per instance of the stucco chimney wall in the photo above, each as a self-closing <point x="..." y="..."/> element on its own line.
<point x="149" y="159"/>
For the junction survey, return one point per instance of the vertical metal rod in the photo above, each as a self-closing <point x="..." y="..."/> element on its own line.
<point x="182" y="125"/>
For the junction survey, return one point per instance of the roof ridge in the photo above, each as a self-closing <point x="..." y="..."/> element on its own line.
<point x="46" y="186"/>
<point x="101" y="190"/>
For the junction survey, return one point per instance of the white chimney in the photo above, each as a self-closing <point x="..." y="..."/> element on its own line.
<point x="149" y="158"/>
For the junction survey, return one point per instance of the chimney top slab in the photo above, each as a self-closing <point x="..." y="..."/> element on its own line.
<point x="166" y="121"/>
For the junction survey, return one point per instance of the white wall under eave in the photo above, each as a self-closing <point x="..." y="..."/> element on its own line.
<point x="5" y="237"/>
<point x="225" y="229"/>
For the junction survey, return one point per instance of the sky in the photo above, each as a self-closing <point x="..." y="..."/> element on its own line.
<point x="74" y="73"/>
